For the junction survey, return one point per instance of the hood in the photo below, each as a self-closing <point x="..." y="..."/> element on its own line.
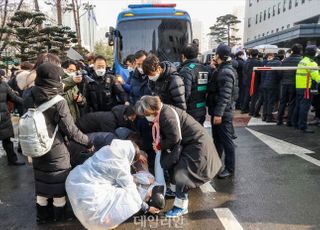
<point x="25" y="78"/>
<point x="27" y="81"/>
<point x="168" y="69"/>
<point x="189" y="61"/>
<point x="123" y="149"/>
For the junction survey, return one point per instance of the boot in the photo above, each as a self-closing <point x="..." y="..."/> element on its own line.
<point x="44" y="215"/>
<point x="59" y="213"/>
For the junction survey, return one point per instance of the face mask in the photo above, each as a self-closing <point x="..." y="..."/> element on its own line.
<point x="130" y="69"/>
<point x="150" y="118"/>
<point x="71" y="74"/>
<point x="140" y="70"/>
<point x="100" y="72"/>
<point x="155" y="78"/>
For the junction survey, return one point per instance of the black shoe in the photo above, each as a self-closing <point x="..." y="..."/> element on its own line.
<point x="251" y="114"/>
<point x="62" y="214"/>
<point x="307" y="130"/>
<point x="224" y="174"/>
<point x="16" y="163"/>
<point x="44" y="214"/>
<point x="279" y="123"/>
<point x="257" y="115"/>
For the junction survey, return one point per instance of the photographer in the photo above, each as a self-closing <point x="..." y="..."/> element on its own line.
<point x="76" y="101"/>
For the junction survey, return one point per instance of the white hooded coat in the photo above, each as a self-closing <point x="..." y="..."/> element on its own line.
<point x="101" y="190"/>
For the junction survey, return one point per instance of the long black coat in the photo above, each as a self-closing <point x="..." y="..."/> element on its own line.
<point x="6" y="93"/>
<point x="52" y="169"/>
<point x="199" y="161"/>
<point x="104" y="121"/>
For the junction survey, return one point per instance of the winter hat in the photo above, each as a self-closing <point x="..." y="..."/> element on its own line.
<point x="2" y="73"/>
<point x="49" y="76"/>
<point x="223" y="51"/>
<point x="311" y="50"/>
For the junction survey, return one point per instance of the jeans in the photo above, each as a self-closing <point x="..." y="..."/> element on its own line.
<point x="300" y="117"/>
<point x="288" y="96"/>
<point x="223" y="139"/>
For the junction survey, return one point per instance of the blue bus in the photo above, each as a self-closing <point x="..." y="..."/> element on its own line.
<point x="157" y="28"/>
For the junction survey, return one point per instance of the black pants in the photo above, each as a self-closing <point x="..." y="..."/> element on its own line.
<point x="254" y="101"/>
<point x="246" y="98"/>
<point x="223" y="139"/>
<point x="8" y="147"/>
<point x="300" y="117"/>
<point x="316" y="105"/>
<point x="288" y="96"/>
<point x="270" y="97"/>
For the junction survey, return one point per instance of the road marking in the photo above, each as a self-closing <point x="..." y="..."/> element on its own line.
<point x="207" y="188"/>
<point x="279" y="146"/>
<point x="227" y="219"/>
<point x="308" y="158"/>
<point x="283" y="147"/>
<point x="258" y="121"/>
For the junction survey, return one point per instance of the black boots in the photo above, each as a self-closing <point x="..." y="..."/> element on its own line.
<point x="44" y="214"/>
<point x="49" y="213"/>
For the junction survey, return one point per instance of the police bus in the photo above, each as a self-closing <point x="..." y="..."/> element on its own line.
<point x="157" y="28"/>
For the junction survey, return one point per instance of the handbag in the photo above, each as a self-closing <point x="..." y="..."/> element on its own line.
<point x="169" y="158"/>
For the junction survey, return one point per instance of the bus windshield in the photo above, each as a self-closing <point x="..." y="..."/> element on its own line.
<point x="163" y="37"/>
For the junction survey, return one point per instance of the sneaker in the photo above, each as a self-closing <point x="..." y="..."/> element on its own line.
<point x="176" y="212"/>
<point x="170" y="193"/>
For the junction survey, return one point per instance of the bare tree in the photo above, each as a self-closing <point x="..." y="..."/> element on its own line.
<point x="75" y="9"/>
<point x="59" y="12"/>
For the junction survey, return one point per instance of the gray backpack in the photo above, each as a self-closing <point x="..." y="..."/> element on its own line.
<point x="33" y="133"/>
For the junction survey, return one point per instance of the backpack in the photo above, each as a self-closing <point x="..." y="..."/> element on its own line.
<point x="33" y="133"/>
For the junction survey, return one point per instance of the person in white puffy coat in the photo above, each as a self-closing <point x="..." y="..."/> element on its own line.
<point x="101" y="191"/>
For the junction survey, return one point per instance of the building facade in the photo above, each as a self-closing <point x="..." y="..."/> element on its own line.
<point x="281" y="22"/>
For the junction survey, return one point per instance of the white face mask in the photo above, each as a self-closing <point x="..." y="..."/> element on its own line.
<point x="100" y="72"/>
<point x="130" y="69"/>
<point x="140" y="70"/>
<point x="150" y="118"/>
<point x="155" y="78"/>
<point x="71" y="74"/>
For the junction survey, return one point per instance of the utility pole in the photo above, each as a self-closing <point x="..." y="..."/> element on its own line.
<point x="89" y="8"/>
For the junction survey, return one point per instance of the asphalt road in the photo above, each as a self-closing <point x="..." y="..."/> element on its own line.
<point x="269" y="190"/>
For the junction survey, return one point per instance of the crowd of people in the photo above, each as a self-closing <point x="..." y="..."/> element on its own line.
<point x="158" y="114"/>
<point x="276" y="90"/>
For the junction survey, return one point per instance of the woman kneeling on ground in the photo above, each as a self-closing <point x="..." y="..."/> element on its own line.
<point x="187" y="150"/>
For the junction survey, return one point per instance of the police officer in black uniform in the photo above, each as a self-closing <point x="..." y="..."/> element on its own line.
<point x="195" y="77"/>
<point x="104" y="92"/>
<point x="222" y="94"/>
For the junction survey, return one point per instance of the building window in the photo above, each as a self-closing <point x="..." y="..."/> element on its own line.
<point x="297" y="3"/>
<point x="257" y="0"/>
<point x="249" y="22"/>
<point x="257" y="18"/>
<point x="262" y="34"/>
<point x="267" y="33"/>
<point x="284" y="6"/>
<point x="250" y="3"/>
<point x="274" y="11"/>
<point x="279" y="7"/>
<point x="302" y="1"/>
<point x="290" y="4"/>
<point x="288" y="26"/>
<point x="272" y="31"/>
<point x="259" y="36"/>
<point x="269" y="12"/>
<point x="282" y="28"/>
<point x="277" y="30"/>
<point x="255" y="37"/>
<point x="260" y="17"/>
<point x="264" y="15"/>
